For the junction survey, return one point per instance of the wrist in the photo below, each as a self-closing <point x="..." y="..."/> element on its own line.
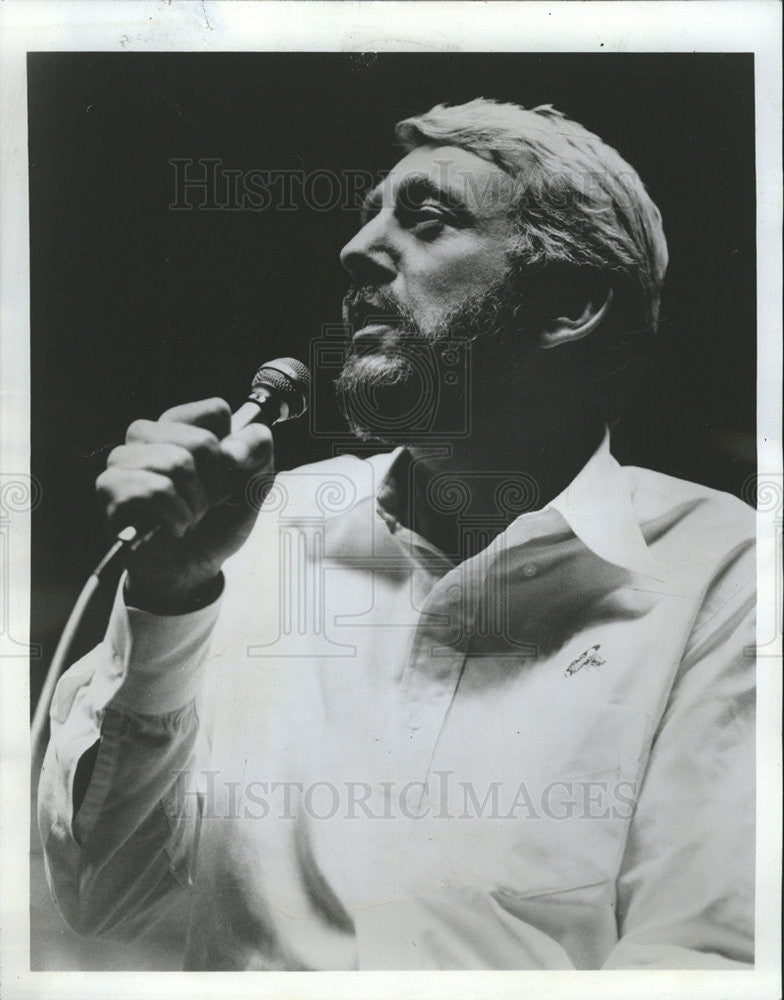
<point x="180" y="600"/>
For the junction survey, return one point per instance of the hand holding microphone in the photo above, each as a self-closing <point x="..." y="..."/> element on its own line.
<point x="175" y="493"/>
<point x="181" y="481"/>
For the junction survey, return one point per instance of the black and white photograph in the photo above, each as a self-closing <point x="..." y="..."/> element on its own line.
<point x="402" y="508"/>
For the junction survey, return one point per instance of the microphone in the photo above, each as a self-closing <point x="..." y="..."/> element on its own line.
<point x="279" y="391"/>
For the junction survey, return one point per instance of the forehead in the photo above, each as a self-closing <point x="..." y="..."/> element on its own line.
<point x="461" y="176"/>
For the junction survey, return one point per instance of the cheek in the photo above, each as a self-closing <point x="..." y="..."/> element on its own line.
<point x="438" y="288"/>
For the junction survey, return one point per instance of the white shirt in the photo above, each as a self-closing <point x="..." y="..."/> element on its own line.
<point x="540" y="758"/>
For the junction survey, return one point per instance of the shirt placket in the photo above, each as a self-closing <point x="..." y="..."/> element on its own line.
<point x="431" y="678"/>
<point x="464" y="600"/>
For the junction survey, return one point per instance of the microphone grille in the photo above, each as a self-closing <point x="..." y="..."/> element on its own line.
<point x="287" y="377"/>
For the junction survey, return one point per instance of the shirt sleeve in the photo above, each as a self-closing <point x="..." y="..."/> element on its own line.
<point x="122" y="860"/>
<point x="686" y="887"/>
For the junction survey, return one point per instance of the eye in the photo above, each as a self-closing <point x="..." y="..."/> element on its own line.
<point x="426" y="220"/>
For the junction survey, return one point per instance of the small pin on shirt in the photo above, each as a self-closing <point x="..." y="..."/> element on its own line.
<point x="589" y="658"/>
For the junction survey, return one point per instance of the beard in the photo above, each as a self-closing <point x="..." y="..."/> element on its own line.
<point x="407" y="383"/>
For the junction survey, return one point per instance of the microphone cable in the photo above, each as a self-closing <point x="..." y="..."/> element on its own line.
<point x="279" y="391"/>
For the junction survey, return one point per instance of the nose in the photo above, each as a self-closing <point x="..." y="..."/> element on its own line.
<point x="369" y="256"/>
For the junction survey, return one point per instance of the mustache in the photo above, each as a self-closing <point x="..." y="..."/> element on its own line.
<point x="363" y="304"/>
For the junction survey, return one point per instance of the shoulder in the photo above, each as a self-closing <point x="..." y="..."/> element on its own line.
<point x="706" y="538"/>
<point x="687" y="507"/>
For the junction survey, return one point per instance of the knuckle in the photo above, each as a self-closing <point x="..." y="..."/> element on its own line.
<point x="103" y="484"/>
<point x="217" y="407"/>
<point x="164" y="489"/>
<point x="116" y="456"/>
<point x="260" y="447"/>
<point x="137" y="429"/>
<point x="203" y="443"/>
<point x="260" y="435"/>
<point x="182" y="463"/>
<point x="112" y="505"/>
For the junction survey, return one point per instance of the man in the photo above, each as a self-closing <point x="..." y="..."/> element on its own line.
<point x="483" y="702"/>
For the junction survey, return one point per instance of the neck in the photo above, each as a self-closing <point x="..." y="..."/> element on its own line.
<point x="492" y="477"/>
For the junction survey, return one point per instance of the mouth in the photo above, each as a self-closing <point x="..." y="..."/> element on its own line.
<point x="370" y="319"/>
<point x="374" y="330"/>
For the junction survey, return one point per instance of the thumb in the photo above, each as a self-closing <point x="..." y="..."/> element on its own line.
<point x="249" y="450"/>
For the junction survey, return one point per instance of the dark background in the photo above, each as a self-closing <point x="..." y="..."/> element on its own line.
<point x="135" y="307"/>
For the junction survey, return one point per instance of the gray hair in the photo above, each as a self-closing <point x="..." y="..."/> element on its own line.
<point x="579" y="203"/>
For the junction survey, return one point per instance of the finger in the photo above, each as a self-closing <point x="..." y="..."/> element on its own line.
<point x="167" y="460"/>
<point x="212" y="414"/>
<point x="143" y="499"/>
<point x="249" y="450"/>
<point x="202" y="444"/>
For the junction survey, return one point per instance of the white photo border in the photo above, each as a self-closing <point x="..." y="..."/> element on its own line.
<point x="334" y="25"/>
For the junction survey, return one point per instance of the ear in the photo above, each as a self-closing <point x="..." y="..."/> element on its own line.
<point x="565" y="329"/>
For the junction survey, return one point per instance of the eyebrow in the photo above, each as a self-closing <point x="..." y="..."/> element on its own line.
<point x="414" y="189"/>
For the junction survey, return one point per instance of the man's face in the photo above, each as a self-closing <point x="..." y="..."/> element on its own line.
<point x="436" y="232"/>
<point x="431" y="263"/>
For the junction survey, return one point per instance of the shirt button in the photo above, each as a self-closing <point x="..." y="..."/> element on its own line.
<point x="415" y="722"/>
<point x="529" y="569"/>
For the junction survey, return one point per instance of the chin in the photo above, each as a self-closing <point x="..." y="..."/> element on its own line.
<point x="381" y="395"/>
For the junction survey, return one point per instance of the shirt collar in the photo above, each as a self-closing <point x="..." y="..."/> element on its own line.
<point x="596" y="505"/>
